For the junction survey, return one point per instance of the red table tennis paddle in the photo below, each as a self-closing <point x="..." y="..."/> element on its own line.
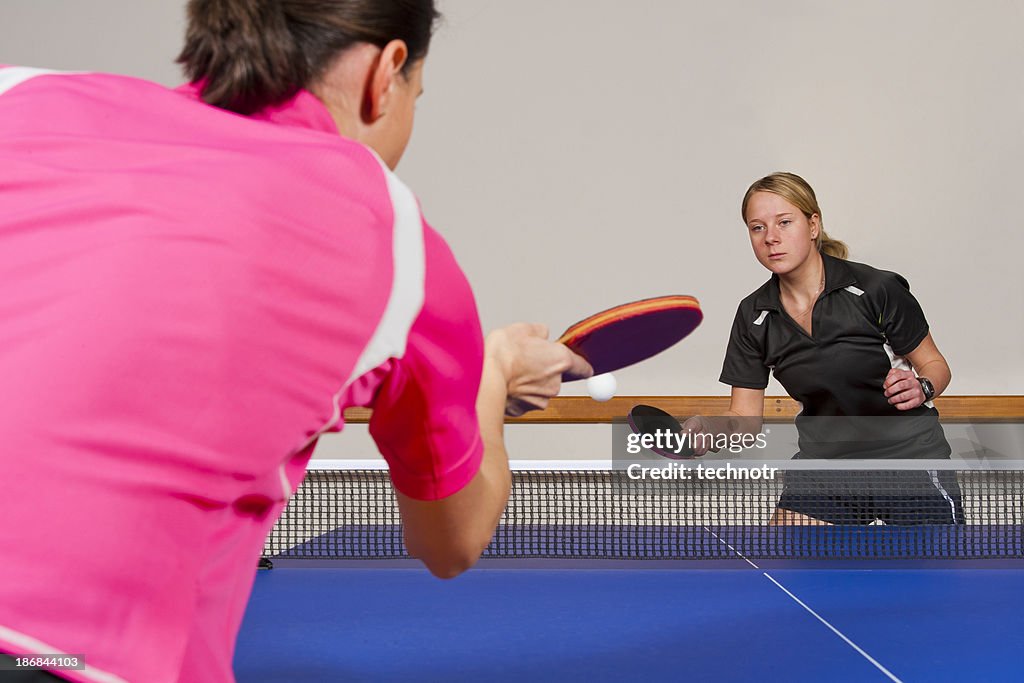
<point x="630" y="333"/>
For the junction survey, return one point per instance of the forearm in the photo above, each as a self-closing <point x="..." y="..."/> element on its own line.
<point x="494" y="469"/>
<point x="732" y="422"/>
<point x="521" y="371"/>
<point x="937" y="372"/>
<point x="745" y="414"/>
<point x="448" y="535"/>
<point x="743" y="417"/>
<point x="928" y="362"/>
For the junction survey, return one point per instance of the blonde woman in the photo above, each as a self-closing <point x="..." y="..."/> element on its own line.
<point x="852" y="345"/>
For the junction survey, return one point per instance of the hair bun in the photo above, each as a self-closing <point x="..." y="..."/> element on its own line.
<point x="251" y="54"/>
<point x="244" y="53"/>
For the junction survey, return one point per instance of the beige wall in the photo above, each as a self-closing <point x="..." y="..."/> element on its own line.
<point x="580" y="154"/>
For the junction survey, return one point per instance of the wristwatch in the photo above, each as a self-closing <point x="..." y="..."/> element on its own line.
<point x="927" y="388"/>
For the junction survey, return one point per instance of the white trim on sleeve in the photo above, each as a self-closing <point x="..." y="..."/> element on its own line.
<point x="16" y="75"/>
<point x="405" y="300"/>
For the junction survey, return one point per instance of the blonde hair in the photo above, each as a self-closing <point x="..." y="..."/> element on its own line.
<point x="800" y="194"/>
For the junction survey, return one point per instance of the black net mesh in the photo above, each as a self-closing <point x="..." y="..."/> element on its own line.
<point x="604" y="514"/>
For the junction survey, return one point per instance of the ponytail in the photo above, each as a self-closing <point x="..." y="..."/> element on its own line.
<point x="831" y="247"/>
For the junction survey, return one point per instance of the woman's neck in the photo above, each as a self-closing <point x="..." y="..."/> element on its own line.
<point x="806" y="280"/>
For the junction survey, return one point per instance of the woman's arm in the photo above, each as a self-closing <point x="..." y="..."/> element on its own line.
<point x="521" y="372"/>
<point x="903" y="389"/>
<point x="744" y="416"/>
<point x="746" y="403"/>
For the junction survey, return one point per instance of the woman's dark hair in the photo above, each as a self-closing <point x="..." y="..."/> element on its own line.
<point x="251" y="54"/>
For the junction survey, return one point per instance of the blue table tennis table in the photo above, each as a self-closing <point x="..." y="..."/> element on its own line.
<point x="591" y="577"/>
<point x="885" y="620"/>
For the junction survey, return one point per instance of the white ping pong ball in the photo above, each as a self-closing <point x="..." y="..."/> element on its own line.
<point x="602" y="387"/>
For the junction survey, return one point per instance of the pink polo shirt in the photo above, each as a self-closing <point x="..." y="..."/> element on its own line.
<point x="188" y="299"/>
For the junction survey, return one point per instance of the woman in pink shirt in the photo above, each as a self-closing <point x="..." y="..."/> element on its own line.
<point x="194" y="285"/>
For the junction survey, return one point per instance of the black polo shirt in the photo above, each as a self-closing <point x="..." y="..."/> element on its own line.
<point x="864" y="322"/>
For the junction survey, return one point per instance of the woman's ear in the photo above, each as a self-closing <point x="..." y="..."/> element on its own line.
<point x="386" y="69"/>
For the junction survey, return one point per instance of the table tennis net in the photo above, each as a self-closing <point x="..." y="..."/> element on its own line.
<point x="605" y="514"/>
